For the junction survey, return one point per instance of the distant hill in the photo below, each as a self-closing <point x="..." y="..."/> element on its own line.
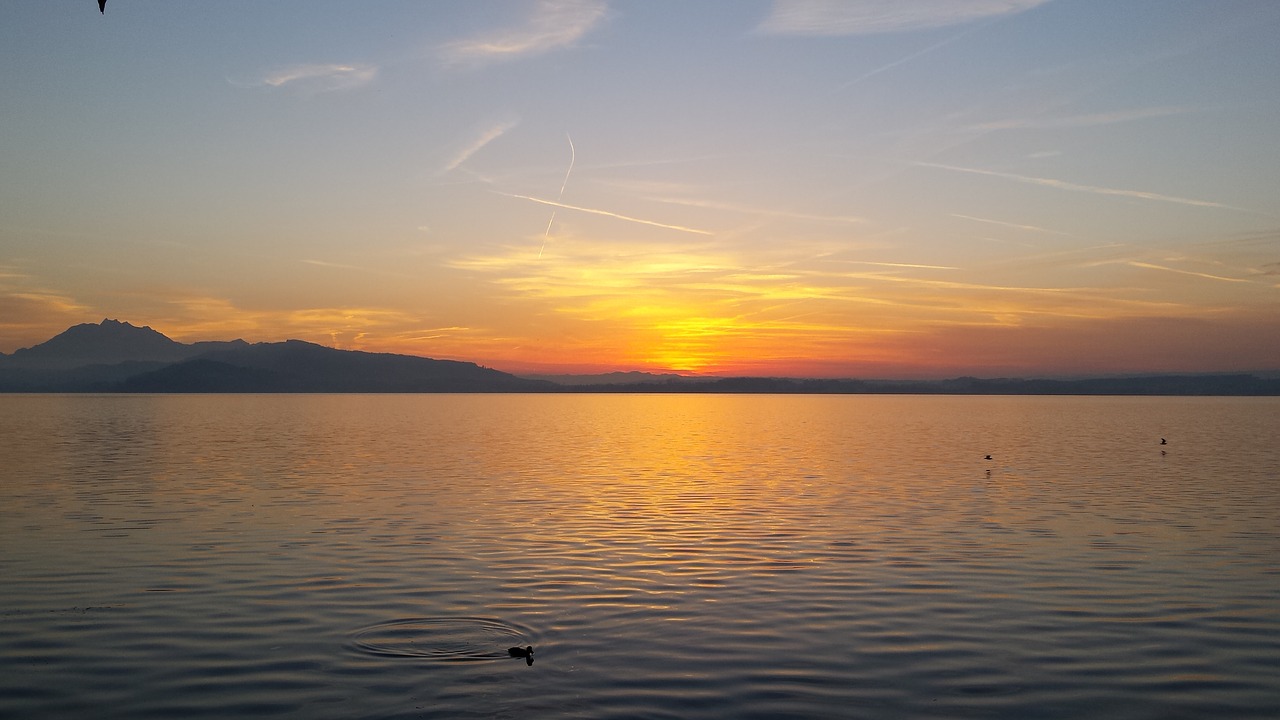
<point x="115" y="356"/>
<point x="633" y="377"/>
<point x="108" y="343"/>
<point x="297" y="366"/>
<point x="1224" y="385"/>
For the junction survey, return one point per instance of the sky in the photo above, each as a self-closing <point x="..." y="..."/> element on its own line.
<point x="809" y="188"/>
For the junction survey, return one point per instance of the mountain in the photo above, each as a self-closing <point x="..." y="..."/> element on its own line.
<point x="297" y="366"/>
<point x="115" y="356"/>
<point x="633" y="377"/>
<point x="108" y="343"/>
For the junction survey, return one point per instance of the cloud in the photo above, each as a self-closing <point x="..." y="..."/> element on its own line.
<point x="355" y="268"/>
<point x="901" y="265"/>
<point x="606" y="213"/>
<point x="1079" y="121"/>
<point x="29" y="317"/>
<point x="487" y="136"/>
<point x="889" y="66"/>
<point x="1015" y="226"/>
<point x="1207" y="276"/>
<point x="866" y="17"/>
<point x="1075" y="187"/>
<point x="758" y="210"/>
<point x="554" y="24"/>
<point x="320" y="77"/>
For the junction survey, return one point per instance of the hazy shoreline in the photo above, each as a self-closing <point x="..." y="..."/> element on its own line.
<point x="117" y="357"/>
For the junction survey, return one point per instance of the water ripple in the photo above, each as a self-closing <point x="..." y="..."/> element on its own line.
<point x="443" y="639"/>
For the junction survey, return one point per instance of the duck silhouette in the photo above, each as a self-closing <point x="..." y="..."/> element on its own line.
<point x="987" y="457"/>
<point x="522" y="652"/>
<point x="1163" y="441"/>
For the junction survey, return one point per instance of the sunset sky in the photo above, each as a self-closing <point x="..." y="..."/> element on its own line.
<point x="867" y="188"/>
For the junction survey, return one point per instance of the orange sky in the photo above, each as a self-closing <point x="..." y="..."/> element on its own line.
<point x="788" y="188"/>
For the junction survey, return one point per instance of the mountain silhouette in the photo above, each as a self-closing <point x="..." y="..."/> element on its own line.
<point x="297" y="366"/>
<point x="107" y="343"/>
<point x="114" y="356"/>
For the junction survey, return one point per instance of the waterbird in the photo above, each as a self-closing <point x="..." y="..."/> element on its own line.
<point x="987" y="457"/>
<point x="524" y="652"/>
<point x="1163" y="441"/>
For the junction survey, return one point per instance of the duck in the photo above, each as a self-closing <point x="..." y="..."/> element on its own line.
<point x="987" y="457"/>
<point x="1163" y="441"/>
<point x="521" y="652"/>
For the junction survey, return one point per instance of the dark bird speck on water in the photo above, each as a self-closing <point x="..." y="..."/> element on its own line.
<point x="522" y="652"/>
<point x="102" y="6"/>
<point x="987" y="457"/>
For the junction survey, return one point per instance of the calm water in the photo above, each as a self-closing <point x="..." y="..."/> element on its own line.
<point x="667" y="556"/>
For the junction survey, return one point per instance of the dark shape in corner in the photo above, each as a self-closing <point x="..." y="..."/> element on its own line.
<point x="102" y="6"/>
<point x="524" y="652"/>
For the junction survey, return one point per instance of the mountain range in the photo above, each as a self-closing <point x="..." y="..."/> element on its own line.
<point x="114" y="356"/>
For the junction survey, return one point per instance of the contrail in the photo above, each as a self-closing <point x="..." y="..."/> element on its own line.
<point x="1016" y="226"/>
<point x="1076" y="187"/>
<point x="606" y="213"/>
<point x="1135" y="263"/>
<point x="563" y="185"/>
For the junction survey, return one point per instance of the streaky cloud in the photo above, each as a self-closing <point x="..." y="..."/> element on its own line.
<point x="319" y="77"/>
<point x="845" y="17"/>
<point x="487" y="136"/>
<point x="899" y="265"/>
<point x="1207" y="276"/>
<point x="1076" y="187"/>
<point x="605" y="213"/>
<point x="1080" y="121"/>
<point x="756" y="210"/>
<point x="901" y="61"/>
<point x="1015" y="226"/>
<point x="553" y="25"/>
<point x="356" y="268"/>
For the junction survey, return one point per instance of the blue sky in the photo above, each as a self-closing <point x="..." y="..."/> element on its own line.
<point x="796" y="187"/>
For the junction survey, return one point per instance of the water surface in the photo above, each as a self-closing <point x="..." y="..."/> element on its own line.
<point x="679" y="556"/>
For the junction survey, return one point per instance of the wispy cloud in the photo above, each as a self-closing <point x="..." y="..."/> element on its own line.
<point x="554" y="24"/>
<point x="899" y="265"/>
<point x="842" y="17"/>
<point x="759" y="211"/>
<point x="900" y="61"/>
<point x="1079" y="121"/>
<point x="318" y="77"/>
<point x="606" y="213"/>
<point x="488" y="135"/>
<point x="1076" y="187"/>
<point x="355" y="268"/>
<point x="1207" y="276"/>
<point x="32" y="315"/>
<point x="1015" y="226"/>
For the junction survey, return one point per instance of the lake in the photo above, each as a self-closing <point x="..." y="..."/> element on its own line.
<point x="667" y="556"/>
